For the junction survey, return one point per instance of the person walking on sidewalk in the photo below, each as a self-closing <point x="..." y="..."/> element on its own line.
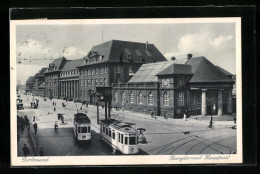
<point x="54" y="108"/>
<point x="55" y="127"/>
<point x="35" y="128"/>
<point x="41" y="152"/>
<point x="235" y="120"/>
<point x="26" y="150"/>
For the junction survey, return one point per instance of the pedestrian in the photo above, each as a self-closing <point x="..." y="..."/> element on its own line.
<point x="33" y="118"/>
<point x="235" y="120"/>
<point x="22" y="127"/>
<point x="41" y="152"/>
<point x="53" y="103"/>
<point x="152" y="114"/>
<point x="26" y="150"/>
<point x="35" y="127"/>
<point x="55" y="127"/>
<point x="54" y="108"/>
<point x="28" y="128"/>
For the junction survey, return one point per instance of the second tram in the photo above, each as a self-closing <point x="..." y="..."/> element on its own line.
<point x="121" y="136"/>
<point x="82" y="127"/>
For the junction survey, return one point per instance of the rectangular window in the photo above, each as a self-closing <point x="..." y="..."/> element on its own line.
<point x="81" y="83"/>
<point x="118" y="137"/>
<point x="132" y="140"/>
<point x="96" y="82"/>
<point x="89" y="72"/>
<point x="114" y="136"/>
<point x="85" y="82"/>
<point x="84" y="130"/>
<point x="96" y="70"/>
<point x="92" y="71"/>
<point x="100" y="71"/>
<point x="109" y="132"/>
<point x="104" y="128"/>
<point x="92" y="82"/>
<point x="100" y="82"/>
<point x="88" y="83"/>
<point x="88" y="129"/>
<point x="126" y="140"/>
<point x="105" y="81"/>
<point x="122" y="138"/>
<point x="105" y="69"/>
<point x="86" y="72"/>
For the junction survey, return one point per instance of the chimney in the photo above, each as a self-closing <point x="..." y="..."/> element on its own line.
<point x="189" y="56"/>
<point x="146" y="45"/>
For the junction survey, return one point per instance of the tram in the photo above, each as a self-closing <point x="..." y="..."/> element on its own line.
<point x="121" y="136"/>
<point x="82" y="128"/>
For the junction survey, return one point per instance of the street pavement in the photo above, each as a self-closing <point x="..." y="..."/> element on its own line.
<point x="164" y="136"/>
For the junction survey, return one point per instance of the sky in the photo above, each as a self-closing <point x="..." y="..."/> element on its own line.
<point x="38" y="45"/>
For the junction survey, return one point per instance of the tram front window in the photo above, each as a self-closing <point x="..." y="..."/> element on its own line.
<point x="84" y="130"/>
<point x="132" y="140"/>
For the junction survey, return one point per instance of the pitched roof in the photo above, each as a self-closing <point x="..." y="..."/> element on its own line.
<point x="30" y="79"/>
<point x="147" y="72"/>
<point x="205" y="71"/>
<point x="59" y="62"/>
<point x="224" y="71"/>
<point x="176" y="69"/>
<point x="72" y="64"/>
<point x="42" y="85"/>
<point x="41" y="72"/>
<point x="115" y="50"/>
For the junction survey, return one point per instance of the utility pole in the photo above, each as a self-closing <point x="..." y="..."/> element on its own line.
<point x="97" y="113"/>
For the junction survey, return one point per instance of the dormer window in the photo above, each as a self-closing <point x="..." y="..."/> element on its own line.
<point x="101" y="57"/>
<point x="131" y="70"/>
<point x="130" y="57"/>
<point x="86" y="60"/>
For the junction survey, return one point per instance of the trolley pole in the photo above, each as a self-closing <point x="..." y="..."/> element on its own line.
<point x="97" y="113"/>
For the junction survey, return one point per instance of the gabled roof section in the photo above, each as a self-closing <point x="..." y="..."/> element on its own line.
<point x="30" y="79"/>
<point x="176" y="69"/>
<point x="205" y="71"/>
<point x="59" y="62"/>
<point x="134" y="49"/>
<point x="42" y="85"/>
<point x="224" y="71"/>
<point x="147" y="72"/>
<point x="72" y="64"/>
<point x="116" y="50"/>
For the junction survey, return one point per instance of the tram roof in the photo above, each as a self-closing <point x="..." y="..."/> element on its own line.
<point x="81" y="118"/>
<point x="121" y="126"/>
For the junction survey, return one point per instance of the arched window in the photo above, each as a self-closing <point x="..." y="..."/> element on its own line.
<point x="150" y="98"/>
<point x="140" y="98"/>
<point x="165" y="99"/>
<point x="123" y="96"/>
<point x="181" y="99"/>
<point x="131" y="97"/>
<point x="116" y="96"/>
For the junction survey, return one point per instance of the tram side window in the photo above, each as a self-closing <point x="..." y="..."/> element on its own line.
<point x="88" y="129"/>
<point x="84" y="130"/>
<point x="109" y="132"/>
<point x="132" y="140"/>
<point x="106" y="130"/>
<point x="113" y="135"/>
<point x="126" y="140"/>
<point x="122" y="138"/>
<point x="118" y="137"/>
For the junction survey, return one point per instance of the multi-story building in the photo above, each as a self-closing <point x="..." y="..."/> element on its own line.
<point x="113" y="62"/>
<point x="29" y="84"/>
<point x="170" y="88"/>
<point x="52" y="74"/>
<point x="39" y="79"/>
<point x="69" y="79"/>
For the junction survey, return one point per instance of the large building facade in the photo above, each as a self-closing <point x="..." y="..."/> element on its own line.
<point x="167" y="88"/>
<point x="113" y="62"/>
